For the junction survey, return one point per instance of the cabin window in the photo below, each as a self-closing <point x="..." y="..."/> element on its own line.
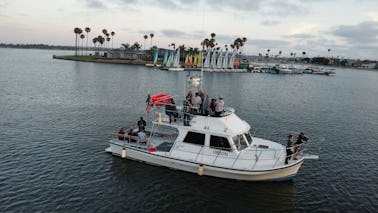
<point x="219" y="143"/>
<point x="240" y="142"/>
<point x="195" y="138"/>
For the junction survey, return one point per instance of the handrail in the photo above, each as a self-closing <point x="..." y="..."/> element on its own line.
<point x="258" y="152"/>
<point x="131" y="137"/>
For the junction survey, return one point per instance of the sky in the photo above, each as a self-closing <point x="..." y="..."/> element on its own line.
<point x="349" y="28"/>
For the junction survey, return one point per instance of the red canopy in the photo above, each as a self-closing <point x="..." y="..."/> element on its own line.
<point x="160" y="99"/>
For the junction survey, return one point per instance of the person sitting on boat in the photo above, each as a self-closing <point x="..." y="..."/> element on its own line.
<point x="206" y="105"/>
<point x="301" y="139"/>
<point x="186" y="110"/>
<point x="121" y="133"/>
<point x="141" y="123"/>
<point x="141" y="134"/>
<point x="132" y="133"/>
<point x="219" y="107"/>
<point x="289" y="148"/>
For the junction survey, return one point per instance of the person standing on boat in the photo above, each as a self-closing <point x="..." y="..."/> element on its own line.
<point x="197" y="101"/>
<point x="202" y="96"/>
<point x="171" y="111"/>
<point x="141" y="123"/>
<point x="220" y="107"/>
<point x="213" y="105"/>
<point x="301" y="139"/>
<point x="206" y="105"/>
<point x="289" y="148"/>
<point x="186" y="110"/>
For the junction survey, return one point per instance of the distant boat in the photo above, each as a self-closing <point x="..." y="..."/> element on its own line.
<point x="165" y="58"/>
<point x="176" y="62"/>
<point x="206" y="64"/>
<point x="154" y="61"/>
<point x="283" y="69"/>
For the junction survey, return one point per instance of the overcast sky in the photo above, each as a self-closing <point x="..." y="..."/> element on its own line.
<point x="348" y="27"/>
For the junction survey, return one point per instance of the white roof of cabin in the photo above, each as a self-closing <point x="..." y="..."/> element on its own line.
<point x="228" y="125"/>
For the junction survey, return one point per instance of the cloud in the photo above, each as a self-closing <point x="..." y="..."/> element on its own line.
<point x="95" y="4"/>
<point x="172" y="33"/>
<point x="245" y="5"/>
<point x="300" y="36"/>
<point x="269" y="43"/>
<point x="270" y="23"/>
<point x="283" y="8"/>
<point x="362" y="33"/>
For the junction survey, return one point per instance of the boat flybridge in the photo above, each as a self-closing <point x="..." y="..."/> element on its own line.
<point x="213" y="146"/>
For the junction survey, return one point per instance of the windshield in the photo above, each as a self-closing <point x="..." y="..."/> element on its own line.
<point x="240" y="142"/>
<point x="248" y="137"/>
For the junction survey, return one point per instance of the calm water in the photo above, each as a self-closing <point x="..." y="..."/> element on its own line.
<point x="56" y="118"/>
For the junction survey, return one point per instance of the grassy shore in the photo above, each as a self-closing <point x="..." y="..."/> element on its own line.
<point x="96" y="59"/>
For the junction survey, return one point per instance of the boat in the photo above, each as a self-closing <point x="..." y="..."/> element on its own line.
<point x="329" y="71"/>
<point x="154" y="61"/>
<point x="176" y="62"/>
<point x="313" y="70"/>
<point x="284" y="70"/>
<point x="221" y="147"/>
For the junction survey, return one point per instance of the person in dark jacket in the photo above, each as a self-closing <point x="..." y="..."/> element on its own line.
<point x="141" y="123"/>
<point x="289" y="148"/>
<point x="301" y="139"/>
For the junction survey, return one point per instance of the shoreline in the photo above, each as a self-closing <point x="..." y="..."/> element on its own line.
<point x="94" y="59"/>
<point x="100" y="60"/>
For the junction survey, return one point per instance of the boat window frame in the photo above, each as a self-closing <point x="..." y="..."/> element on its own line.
<point x="225" y="139"/>
<point x="194" y="142"/>
<point x="250" y="136"/>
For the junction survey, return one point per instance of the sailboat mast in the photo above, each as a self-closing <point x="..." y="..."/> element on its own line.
<point x="201" y="82"/>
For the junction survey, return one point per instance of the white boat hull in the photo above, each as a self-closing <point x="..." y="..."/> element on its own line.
<point x="176" y="69"/>
<point x="277" y="174"/>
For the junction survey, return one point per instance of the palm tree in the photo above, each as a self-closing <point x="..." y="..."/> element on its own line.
<point x="101" y="40"/>
<point x="77" y="31"/>
<point x="126" y="46"/>
<point x="112" y="34"/>
<point x="279" y="53"/>
<point x="303" y="53"/>
<point x="151" y="36"/>
<point x="212" y="35"/>
<point x="105" y="32"/>
<point x="145" y="38"/>
<point x="268" y="51"/>
<point x="244" y="40"/>
<point x="87" y="29"/>
<point x="329" y="50"/>
<point x="82" y="36"/>
<point x="94" y="40"/>
<point x="136" y="46"/>
<point x="108" y="39"/>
